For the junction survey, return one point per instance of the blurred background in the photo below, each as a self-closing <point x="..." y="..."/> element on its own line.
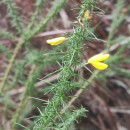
<point x="107" y="98"/>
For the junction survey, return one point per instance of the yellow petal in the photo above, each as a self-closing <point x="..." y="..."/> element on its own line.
<point x="99" y="65"/>
<point x="56" y="41"/>
<point x="98" y="58"/>
<point x="94" y="58"/>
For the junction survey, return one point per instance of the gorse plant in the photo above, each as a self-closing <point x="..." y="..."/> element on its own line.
<point x="69" y="63"/>
<point x="66" y="51"/>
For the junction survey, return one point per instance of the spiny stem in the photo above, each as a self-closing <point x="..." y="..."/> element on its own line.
<point x="13" y="13"/>
<point x="79" y="92"/>
<point x="70" y="60"/>
<point x="10" y="65"/>
<point x="38" y="8"/>
<point x="24" y="99"/>
<point x="108" y="48"/>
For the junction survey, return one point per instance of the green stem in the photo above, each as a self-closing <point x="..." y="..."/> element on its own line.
<point x="24" y="99"/>
<point x="10" y="66"/>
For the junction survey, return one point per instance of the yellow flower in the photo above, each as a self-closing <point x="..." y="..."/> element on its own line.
<point x="96" y="61"/>
<point x="56" y="41"/>
<point x="87" y="15"/>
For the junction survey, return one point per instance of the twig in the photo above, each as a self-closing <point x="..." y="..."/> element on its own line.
<point x="115" y="110"/>
<point x="53" y="33"/>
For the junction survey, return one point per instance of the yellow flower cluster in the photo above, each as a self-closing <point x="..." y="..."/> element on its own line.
<point x="96" y="61"/>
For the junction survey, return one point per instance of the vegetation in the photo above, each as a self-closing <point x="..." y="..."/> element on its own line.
<point x="55" y="113"/>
